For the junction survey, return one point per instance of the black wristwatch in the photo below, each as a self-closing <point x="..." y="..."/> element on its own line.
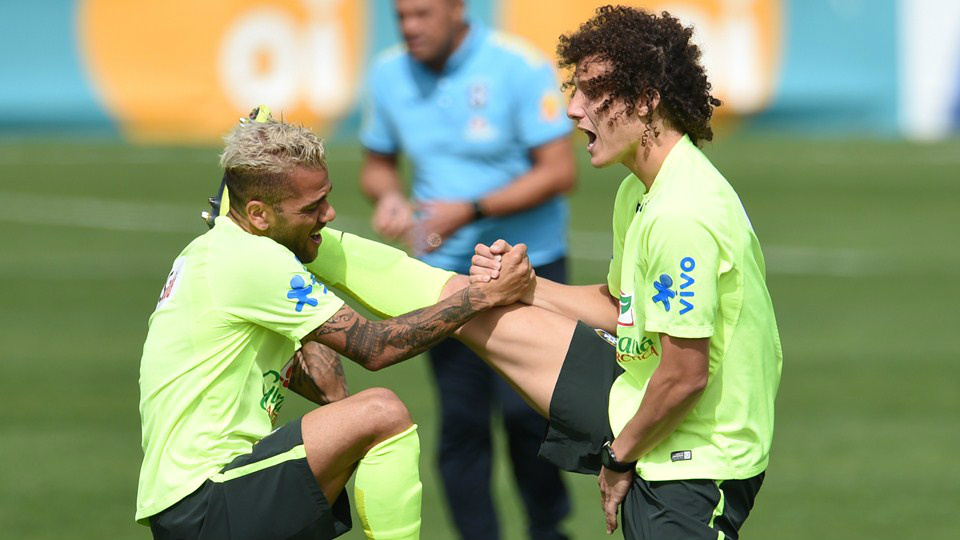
<point x="478" y="212"/>
<point x="609" y="460"/>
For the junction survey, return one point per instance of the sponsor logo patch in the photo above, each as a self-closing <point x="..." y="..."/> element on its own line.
<point x="626" y="310"/>
<point x="170" y="286"/>
<point x="681" y="455"/>
<point x="630" y="349"/>
<point x="300" y="291"/>
<point x="606" y="336"/>
<point x="273" y="394"/>
<point x="666" y="292"/>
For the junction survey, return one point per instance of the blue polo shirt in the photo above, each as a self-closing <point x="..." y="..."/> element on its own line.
<point x="468" y="131"/>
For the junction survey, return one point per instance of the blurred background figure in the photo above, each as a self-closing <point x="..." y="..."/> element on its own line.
<point x="478" y="115"/>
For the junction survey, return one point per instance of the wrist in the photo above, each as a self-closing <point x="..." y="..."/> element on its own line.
<point x="611" y="460"/>
<point x="478" y="297"/>
<point x="393" y="194"/>
<point x="479" y="212"/>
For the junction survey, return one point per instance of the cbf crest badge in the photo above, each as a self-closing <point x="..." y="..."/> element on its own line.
<point x="477" y="94"/>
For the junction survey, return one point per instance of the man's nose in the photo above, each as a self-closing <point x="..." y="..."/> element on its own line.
<point x="574" y="109"/>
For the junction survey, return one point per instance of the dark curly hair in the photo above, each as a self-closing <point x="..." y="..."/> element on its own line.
<point x="649" y="54"/>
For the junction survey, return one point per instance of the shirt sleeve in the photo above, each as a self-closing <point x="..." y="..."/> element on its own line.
<point x="539" y="105"/>
<point x="624" y="209"/>
<point x="270" y="288"/>
<point x="682" y="276"/>
<point x="383" y="279"/>
<point x="377" y="132"/>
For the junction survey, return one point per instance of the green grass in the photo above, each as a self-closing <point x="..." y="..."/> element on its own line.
<point x="861" y="240"/>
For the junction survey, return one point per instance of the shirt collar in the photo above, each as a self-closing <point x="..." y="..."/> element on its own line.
<point x="680" y="148"/>
<point x="470" y="43"/>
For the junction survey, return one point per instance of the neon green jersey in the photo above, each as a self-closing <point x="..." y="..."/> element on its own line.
<point x="690" y="266"/>
<point x="214" y="366"/>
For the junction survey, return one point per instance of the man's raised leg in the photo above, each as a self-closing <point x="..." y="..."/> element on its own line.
<point x="526" y="345"/>
<point x="372" y="432"/>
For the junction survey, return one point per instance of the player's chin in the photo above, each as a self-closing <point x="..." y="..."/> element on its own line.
<point x="600" y="160"/>
<point x="308" y="252"/>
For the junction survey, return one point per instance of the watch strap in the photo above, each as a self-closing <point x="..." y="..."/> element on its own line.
<point x="609" y="460"/>
<point x="478" y="212"/>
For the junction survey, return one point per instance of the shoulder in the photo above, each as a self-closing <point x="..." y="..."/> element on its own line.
<point x="630" y="188"/>
<point x="237" y="253"/>
<point x="516" y="51"/>
<point x="388" y="62"/>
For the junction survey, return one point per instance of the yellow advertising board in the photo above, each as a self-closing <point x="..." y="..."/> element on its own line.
<point x="740" y="39"/>
<point x="181" y="69"/>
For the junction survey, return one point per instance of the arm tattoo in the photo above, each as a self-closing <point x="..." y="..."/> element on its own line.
<point x="378" y="344"/>
<point x="318" y="375"/>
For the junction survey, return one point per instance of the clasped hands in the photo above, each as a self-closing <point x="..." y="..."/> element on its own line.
<point x="500" y="260"/>
<point x="505" y="271"/>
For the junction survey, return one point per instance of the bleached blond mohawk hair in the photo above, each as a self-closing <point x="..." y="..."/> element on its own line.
<point x="258" y="155"/>
<point x="272" y="146"/>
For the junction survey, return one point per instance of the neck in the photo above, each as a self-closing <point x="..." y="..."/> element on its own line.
<point x="459" y="35"/>
<point x="645" y="162"/>
<point x="243" y="222"/>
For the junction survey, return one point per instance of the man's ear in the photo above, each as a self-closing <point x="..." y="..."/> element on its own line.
<point x="648" y="103"/>
<point x="259" y="214"/>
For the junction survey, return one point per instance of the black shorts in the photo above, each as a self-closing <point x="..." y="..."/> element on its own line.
<point x="257" y="498"/>
<point x="579" y="427"/>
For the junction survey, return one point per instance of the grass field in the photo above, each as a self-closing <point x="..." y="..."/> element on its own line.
<point x="862" y="246"/>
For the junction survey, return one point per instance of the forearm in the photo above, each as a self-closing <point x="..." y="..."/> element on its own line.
<point x="669" y="398"/>
<point x="379" y="176"/>
<point x="379" y="344"/>
<point x="317" y="374"/>
<point x="591" y="304"/>
<point x="527" y="191"/>
<point x="309" y="388"/>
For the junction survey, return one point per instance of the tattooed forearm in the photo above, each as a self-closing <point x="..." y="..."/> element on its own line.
<point x="378" y="344"/>
<point x="317" y="374"/>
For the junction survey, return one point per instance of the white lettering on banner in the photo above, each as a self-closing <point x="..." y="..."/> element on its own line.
<point x="267" y="56"/>
<point x="258" y="60"/>
<point x="929" y="51"/>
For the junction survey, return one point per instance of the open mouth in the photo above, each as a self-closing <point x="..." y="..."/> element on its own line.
<point x="316" y="237"/>
<point x="591" y="138"/>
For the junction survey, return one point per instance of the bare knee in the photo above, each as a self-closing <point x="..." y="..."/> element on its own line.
<point x="384" y="412"/>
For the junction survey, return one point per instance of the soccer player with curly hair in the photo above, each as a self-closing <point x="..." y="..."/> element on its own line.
<point x="662" y="380"/>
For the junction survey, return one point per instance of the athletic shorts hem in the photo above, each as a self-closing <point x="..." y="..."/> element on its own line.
<point x="144" y="514"/>
<point x="271" y="495"/>
<point x="579" y="419"/>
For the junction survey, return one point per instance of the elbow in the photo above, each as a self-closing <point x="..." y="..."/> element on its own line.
<point x="375" y="364"/>
<point x="685" y="386"/>
<point x="694" y="384"/>
<point x="567" y="178"/>
<point x="697" y="386"/>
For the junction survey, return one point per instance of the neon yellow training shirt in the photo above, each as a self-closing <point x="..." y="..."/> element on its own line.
<point x="231" y="314"/>
<point x="212" y="377"/>
<point x="688" y="264"/>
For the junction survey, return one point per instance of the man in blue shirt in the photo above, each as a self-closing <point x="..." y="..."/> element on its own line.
<point x="480" y="118"/>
